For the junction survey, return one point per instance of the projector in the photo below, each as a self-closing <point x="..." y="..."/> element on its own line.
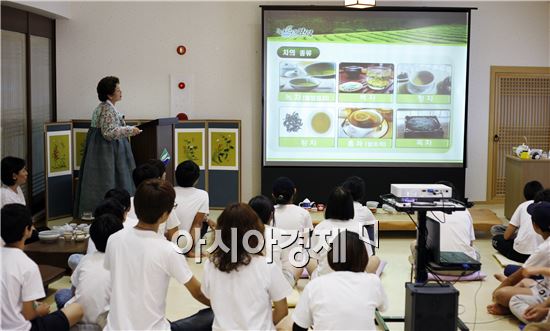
<point x="420" y="192"/>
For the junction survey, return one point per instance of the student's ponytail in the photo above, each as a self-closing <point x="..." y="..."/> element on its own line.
<point x="283" y="190"/>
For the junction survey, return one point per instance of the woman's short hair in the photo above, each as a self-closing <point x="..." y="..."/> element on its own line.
<point x="241" y="217"/>
<point x="153" y="198"/>
<point x="263" y="206"/>
<point x="283" y="190"/>
<point x="356" y="186"/>
<point x="531" y="189"/>
<point x="339" y="205"/>
<point x="187" y="173"/>
<point x="11" y="165"/>
<point x="348" y="253"/>
<point x="106" y="87"/>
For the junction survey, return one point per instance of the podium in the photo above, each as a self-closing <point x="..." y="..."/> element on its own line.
<point x="517" y="173"/>
<point x="157" y="135"/>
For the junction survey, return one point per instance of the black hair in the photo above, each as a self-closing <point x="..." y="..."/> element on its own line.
<point x="153" y="198"/>
<point x="283" y="190"/>
<point x="531" y="189"/>
<point x="15" y="219"/>
<point x="542" y="195"/>
<point x="339" y="205"/>
<point x="102" y="227"/>
<point x="187" y="173"/>
<point x="356" y="187"/>
<point x="110" y="206"/>
<point x="355" y="258"/>
<point x="161" y="168"/>
<point x="263" y="206"/>
<point x="143" y="172"/>
<point x="121" y="195"/>
<point x="106" y="87"/>
<point x="11" y="165"/>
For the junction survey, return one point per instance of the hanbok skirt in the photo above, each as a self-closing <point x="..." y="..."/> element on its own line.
<point x="105" y="165"/>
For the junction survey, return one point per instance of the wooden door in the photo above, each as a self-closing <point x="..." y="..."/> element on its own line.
<point x="519" y="107"/>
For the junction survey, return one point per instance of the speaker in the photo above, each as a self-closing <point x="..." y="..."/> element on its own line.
<point x="430" y="307"/>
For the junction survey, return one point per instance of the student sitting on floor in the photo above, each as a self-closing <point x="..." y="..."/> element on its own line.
<point x="22" y="283"/>
<point x="516" y="283"/>
<point x="193" y="203"/>
<point x="142" y="262"/>
<point x="91" y="281"/>
<point x="338" y="217"/>
<point x="241" y="284"/>
<point x="107" y="206"/>
<point x="170" y="228"/>
<point x="280" y="250"/>
<point x="356" y="187"/>
<point x="518" y="240"/>
<point x="321" y="305"/>
<point x="535" y="307"/>
<point x="14" y="174"/>
<point x="288" y="216"/>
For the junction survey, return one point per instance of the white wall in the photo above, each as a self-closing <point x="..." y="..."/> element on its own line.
<point x="52" y="9"/>
<point x="136" y="41"/>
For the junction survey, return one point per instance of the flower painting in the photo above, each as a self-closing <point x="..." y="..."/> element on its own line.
<point x="59" y="153"/>
<point x="190" y="146"/>
<point x="223" y="149"/>
<point x="79" y="143"/>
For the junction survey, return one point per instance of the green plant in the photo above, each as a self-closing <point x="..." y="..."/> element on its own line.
<point x="222" y="148"/>
<point x="190" y="149"/>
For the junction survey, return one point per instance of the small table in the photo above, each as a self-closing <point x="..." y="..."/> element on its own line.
<point x="55" y="254"/>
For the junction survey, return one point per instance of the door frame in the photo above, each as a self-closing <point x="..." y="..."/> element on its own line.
<point x="497" y="72"/>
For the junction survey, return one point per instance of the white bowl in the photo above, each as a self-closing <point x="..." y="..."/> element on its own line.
<point x="48" y="236"/>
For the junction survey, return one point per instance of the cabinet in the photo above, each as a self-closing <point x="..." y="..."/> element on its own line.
<point x="518" y="172"/>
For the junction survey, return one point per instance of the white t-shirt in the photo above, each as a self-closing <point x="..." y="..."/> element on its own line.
<point x="342" y="300"/>
<point x="456" y="232"/>
<point x="132" y="220"/>
<point x="190" y="201"/>
<point x="21" y="282"/>
<point x="279" y="253"/>
<point x="141" y="263"/>
<point x="241" y="299"/>
<point x="540" y="258"/>
<point x="292" y="217"/>
<point x="527" y="240"/>
<point x="93" y="286"/>
<point x="9" y="196"/>
<point x="362" y="214"/>
<point x="329" y="229"/>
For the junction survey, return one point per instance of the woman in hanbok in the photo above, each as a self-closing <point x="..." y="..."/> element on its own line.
<point x="108" y="161"/>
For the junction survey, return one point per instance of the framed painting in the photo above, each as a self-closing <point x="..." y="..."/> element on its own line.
<point x="79" y="145"/>
<point x="223" y="151"/>
<point x="190" y="145"/>
<point x="58" y="153"/>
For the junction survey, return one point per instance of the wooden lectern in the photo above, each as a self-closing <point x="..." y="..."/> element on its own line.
<point x="518" y="173"/>
<point x="156" y="136"/>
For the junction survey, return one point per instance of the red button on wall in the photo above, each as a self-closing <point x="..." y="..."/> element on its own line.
<point x="181" y="85"/>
